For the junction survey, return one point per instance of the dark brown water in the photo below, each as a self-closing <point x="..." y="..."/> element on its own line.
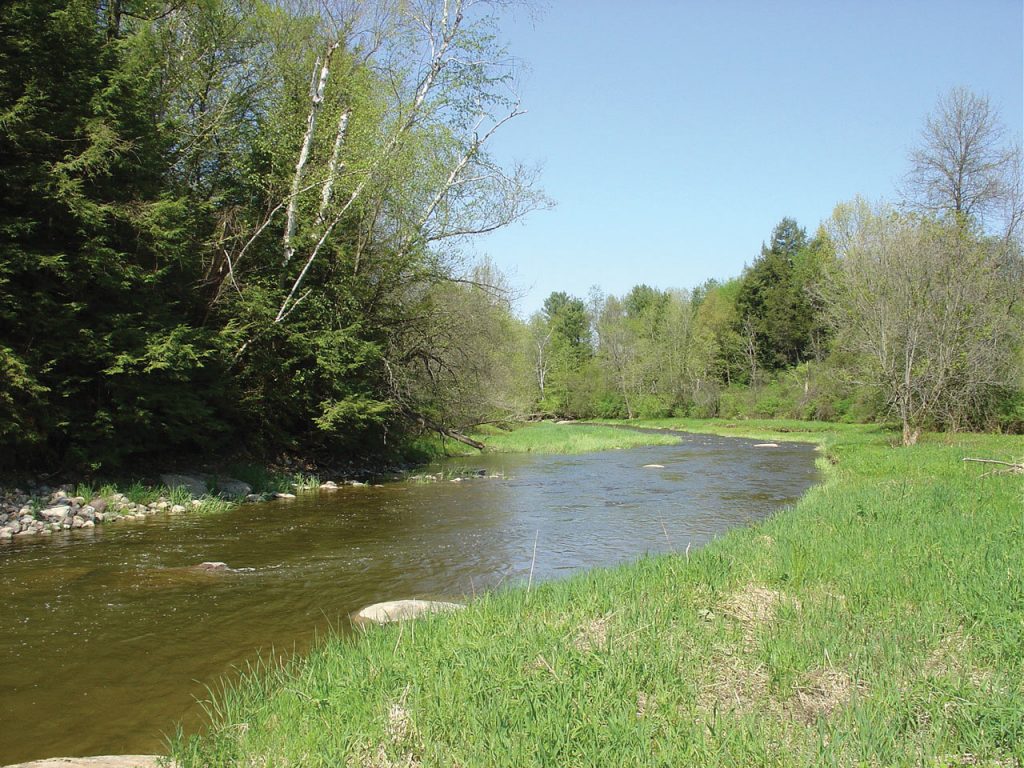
<point x="107" y="638"/>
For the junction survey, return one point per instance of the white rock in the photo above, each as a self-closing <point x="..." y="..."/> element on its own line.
<point x="654" y="466"/>
<point x="402" y="610"/>
<point x="103" y="761"/>
<point x="766" y="445"/>
<point x="54" y="513"/>
<point x="212" y="565"/>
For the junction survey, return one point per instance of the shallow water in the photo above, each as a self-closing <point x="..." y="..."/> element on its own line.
<point x="108" y="638"/>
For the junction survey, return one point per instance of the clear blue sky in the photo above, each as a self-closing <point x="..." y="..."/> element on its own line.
<point x="675" y="135"/>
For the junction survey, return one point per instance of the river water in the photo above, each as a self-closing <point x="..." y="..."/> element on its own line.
<point x="109" y="638"/>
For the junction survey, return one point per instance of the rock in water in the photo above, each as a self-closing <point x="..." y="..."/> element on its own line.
<point x="401" y="610"/>
<point x="766" y="445"/>
<point x="213" y="566"/>
<point x="653" y="466"/>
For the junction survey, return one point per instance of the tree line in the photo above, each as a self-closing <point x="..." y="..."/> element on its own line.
<point x="910" y="311"/>
<point x="239" y="226"/>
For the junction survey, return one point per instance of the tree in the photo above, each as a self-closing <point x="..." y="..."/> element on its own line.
<point x="563" y="349"/>
<point x="926" y="310"/>
<point x="965" y="167"/>
<point x="775" y="314"/>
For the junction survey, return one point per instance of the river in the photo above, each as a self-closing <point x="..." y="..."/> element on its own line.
<point x="109" y="638"/>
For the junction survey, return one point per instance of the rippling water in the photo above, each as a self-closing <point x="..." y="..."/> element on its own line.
<point x="108" y="637"/>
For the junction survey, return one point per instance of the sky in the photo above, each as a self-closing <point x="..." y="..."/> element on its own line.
<point x="673" y="136"/>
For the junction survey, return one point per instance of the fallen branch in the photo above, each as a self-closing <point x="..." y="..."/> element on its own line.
<point x="1013" y="467"/>
<point x="449" y="432"/>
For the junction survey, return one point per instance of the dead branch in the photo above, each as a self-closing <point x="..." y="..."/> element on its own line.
<point x="1013" y="468"/>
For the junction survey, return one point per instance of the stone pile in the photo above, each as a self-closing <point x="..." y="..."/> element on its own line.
<point x="24" y="514"/>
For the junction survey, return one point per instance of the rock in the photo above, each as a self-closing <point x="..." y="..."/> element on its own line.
<point x="195" y="485"/>
<point x="654" y="466"/>
<point x="477" y="473"/>
<point x="99" y="505"/>
<point x="103" y="761"/>
<point x="88" y="524"/>
<point x="284" y="496"/>
<point x="54" y="513"/>
<point x="252" y="498"/>
<point x="161" y="505"/>
<point x="178" y="509"/>
<point x="27" y="520"/>
<point x="88" y="512"/>
<point x="77" y="521"/>
<point x="766" y="445"/>
<point x="330" y="485"/>
<point x="230" y="487"/>
<point x="356" y="484"/>
<point x="196" y="503"/>
<point x="401" y="610"/>
<point x="213" y="566"/>
<point x="6" y="533"/>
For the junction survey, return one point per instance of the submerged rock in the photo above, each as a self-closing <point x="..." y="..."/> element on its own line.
<point x="401" y="610"/>
<point x="213" y="566"/>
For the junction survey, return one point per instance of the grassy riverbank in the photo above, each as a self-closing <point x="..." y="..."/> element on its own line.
<point x="878" y="622"/>
<point x="549" y="437"/>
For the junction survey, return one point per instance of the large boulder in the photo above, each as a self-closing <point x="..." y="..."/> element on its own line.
<point x="401" y="610"/>
<point x="195" y="485"/>
<point x="55" y="514"/>
<point x="234" y="488"/>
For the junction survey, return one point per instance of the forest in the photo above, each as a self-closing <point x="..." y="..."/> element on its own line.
<point x="239" y="227"/>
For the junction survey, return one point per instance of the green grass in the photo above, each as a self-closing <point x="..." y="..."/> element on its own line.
<point x="879" y="622"/>
<point x="548" y="437"/>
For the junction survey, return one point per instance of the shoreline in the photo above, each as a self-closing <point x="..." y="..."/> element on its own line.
<point x="46" y="510"/>
<point x="803" y="638"/>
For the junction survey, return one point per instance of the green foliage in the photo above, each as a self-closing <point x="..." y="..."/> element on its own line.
<point x="148" y="306"/>
<point x="548" y="437"/>
<point x="773" y="305"/>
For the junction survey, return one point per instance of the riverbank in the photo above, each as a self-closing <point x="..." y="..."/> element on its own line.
<point x="46" y="510"/>
<point x="877" y="622"/>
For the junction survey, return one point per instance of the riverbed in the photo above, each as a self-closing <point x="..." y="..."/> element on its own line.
<point x="109" y="638"/>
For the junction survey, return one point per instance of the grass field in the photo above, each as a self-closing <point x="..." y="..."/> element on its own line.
<point x="548" y="437"/>
<point x="879" y="622"/>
